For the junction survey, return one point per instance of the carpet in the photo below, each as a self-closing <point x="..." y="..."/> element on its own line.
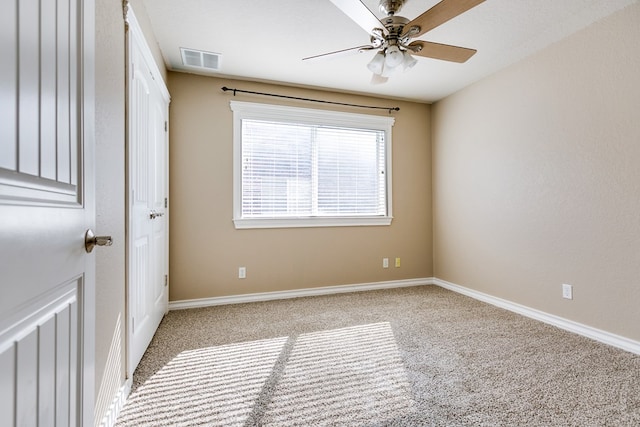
<point x="421" y="356"/>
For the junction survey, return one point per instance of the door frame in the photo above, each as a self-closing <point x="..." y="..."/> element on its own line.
<point x="133" y="29"/>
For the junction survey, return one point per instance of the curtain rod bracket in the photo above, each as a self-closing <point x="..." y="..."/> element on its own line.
<point x="390" y="109"/>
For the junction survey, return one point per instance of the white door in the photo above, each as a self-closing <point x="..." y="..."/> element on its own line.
<point x="148" y="196"/>
<point x="46" y="205"/>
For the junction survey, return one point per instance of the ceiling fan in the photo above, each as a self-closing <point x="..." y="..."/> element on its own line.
<point x="392" y="35"/>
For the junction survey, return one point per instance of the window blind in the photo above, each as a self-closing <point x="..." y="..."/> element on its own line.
<point x="311" y="170"/>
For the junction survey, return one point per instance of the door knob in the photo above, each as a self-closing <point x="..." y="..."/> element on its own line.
<point x="154" y="214"/>
<point x="91" y="241"/>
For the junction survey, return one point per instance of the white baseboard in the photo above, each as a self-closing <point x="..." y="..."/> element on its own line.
<point x="560" y="322"/>
<point x="297" y="293"/>
<point x="110" y="418"/>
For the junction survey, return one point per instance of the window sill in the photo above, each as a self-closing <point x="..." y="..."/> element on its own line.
<point x="243" y="223"/>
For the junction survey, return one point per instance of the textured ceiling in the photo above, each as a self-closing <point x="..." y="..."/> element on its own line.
<point x="266" y="40"/>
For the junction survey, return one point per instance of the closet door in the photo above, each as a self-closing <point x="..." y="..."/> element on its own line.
<point x="148" y="196"/>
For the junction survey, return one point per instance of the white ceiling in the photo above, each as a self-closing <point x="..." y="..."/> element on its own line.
<point x="266" y="40"/>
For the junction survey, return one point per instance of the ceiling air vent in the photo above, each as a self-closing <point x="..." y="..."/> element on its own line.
<point x="200" y="59"/>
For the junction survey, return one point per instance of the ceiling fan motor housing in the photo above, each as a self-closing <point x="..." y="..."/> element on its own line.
<point x="390" y="7"/>
<point x="395" y="25"/>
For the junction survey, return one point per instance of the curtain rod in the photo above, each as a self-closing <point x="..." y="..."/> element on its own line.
<point x="390" y="109"/>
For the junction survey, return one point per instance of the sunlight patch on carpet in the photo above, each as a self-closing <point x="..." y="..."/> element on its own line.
<point x="347" y="375"/>
<point x="208" y="386"/>
<point x="351" y="375"/>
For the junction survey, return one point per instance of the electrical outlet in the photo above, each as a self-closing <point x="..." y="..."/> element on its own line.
<point x="385" y="262"/>
<point x="242" y="273"/>
<point x="397" y="262"/>
<point x="567" y="291"/>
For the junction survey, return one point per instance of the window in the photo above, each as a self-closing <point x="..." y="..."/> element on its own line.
<point x="298" y="167"/>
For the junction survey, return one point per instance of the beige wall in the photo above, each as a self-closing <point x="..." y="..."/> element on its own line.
<point x="110" y="199"/>
<point x="537" y="179"/>
<point x="206" y="250"/>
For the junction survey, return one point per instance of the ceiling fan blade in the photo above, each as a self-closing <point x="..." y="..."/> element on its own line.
<point x="444" y="52"/>
<point x="441" y="13"/>
<point x="342" y="51"/>
<point x="360" y="14"/>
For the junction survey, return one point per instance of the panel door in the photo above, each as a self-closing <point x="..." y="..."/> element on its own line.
<point x="46" y="205"/>
<point x="148" y="266"/>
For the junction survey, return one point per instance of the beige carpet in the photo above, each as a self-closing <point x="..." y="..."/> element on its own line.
<point x="420" y="356"/>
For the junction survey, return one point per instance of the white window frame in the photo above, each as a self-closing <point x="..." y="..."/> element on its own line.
<point x="256" y="111"/>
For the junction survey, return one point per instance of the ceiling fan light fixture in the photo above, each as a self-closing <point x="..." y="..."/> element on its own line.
<point x="393" y="57"/>
<point x="408" y="60"/>
<point x="377" y="63"/>
<point x="389" y="71"/>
